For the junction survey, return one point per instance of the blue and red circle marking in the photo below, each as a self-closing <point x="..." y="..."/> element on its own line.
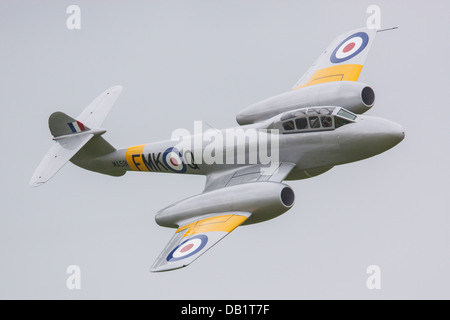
<point x="350" y="47"/>
<point x="188" y="248"/>
<point x="173" y="159"/>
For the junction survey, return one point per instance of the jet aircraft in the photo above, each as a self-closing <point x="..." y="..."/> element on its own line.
<point x="318" y="124"/>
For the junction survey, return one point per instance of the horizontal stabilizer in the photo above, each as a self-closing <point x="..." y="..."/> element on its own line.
<point x="95" y="113"/>
<point x="71" y="135"/>
<point x="58" y="155"/>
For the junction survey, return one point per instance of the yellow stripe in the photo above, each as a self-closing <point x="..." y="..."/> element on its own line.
<point x="343" y="72"/>
<point x="226" y="223"/>
<point x="134" y="158"/>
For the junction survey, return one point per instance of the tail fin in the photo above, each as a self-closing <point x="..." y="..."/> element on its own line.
<point x="61" y="125"/>
<point x="75" y="140"/>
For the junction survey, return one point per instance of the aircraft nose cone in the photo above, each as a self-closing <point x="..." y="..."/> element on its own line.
<point x="395" y="134"/>
<point x="379" y="135"/>
<point x="368" y="137"/>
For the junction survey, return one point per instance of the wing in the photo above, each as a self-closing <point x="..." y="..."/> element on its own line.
<point x="193" y="239"/>
<point x="342" y="60"/>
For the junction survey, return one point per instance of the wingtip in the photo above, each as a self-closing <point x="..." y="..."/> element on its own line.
<point x="166" y="268"/>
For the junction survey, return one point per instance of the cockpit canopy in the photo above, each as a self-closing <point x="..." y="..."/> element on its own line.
<point x="313" y="119"/>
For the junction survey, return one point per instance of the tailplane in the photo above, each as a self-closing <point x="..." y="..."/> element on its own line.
<point x="78" y="140"/>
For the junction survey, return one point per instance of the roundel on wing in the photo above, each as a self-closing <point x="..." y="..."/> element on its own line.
<point x="350" y="47"/>
<point x="188" y="248"/>
<point x="173" y="159"/>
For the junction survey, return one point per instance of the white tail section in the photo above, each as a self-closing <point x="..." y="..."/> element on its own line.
<point x="72" y="135"/>
<point x="58" y="155"/>
<point x="96" y="112"/>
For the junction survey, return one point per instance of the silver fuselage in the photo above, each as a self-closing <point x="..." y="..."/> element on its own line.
<point x="312" y="152"/>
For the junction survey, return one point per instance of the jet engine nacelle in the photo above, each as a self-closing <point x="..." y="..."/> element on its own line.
<point x="264" y="200"/>
<point x="354" y="96"/>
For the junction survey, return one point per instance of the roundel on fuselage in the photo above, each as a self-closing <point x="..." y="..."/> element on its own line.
<point x="173" y="159"/>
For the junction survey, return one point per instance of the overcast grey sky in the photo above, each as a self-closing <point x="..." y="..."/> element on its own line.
<point x="181" y="61"/>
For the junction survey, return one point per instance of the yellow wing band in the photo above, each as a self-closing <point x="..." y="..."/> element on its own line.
<point x="343" y="72"/>
<point x="226" y="223"/>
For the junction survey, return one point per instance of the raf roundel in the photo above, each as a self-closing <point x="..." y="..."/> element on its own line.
<point x="188" y="248"/>
<point x="173" y="160"/>
<point x="350" y="47"/>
